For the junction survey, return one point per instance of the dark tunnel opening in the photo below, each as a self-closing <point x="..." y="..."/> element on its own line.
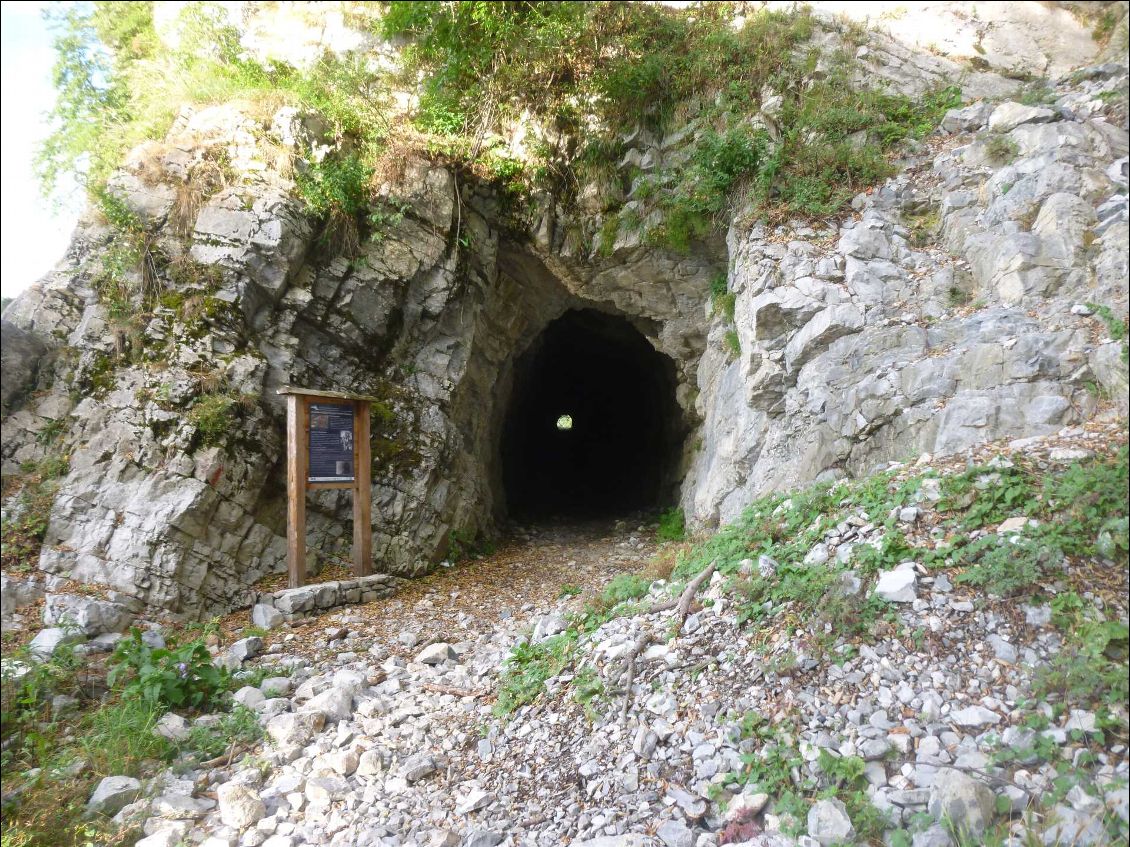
<point x="593" y="429"/>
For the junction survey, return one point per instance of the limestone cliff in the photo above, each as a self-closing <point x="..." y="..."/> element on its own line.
<point x="947" y="309"/>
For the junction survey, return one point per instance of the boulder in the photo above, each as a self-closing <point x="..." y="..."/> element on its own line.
<point x="112" y="794"/>
<point x="172" y="726"/>
<point x="245" y="648"/>
<point x="1008" y="116"/>
<point x="91" y="616"/>
<point x="335" y="703"/>
<point x="974" y="717"/>
<point x="240" y="807"/>
<point x="964" y="803"/>
<point x="46" y="640"/>
<point x="294" y="728"/>
<point x="435" y="654"/>
<point x="417" y="767"/>
<point x="898" y="585"/>
<point x="828" y="823"/>
<point x="266" y="617"/>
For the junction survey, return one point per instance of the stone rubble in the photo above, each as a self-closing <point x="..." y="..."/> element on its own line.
<point x="378" y="742"/>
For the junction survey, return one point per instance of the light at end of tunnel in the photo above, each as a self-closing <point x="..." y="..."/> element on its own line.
<point x="565" y="422"/>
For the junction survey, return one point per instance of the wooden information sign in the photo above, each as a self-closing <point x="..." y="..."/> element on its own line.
<point x="327" y="446"/>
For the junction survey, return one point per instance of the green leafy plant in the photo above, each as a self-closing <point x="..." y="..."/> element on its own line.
<point x="624" y="587"/>
<point x="213" y="416"/>
<point x="588" y="689"/>
<point x="672" y="525"/>
<point x="1008" y="566"/>
<point x="1115" y="326"/>
<point x="239" y="726"/>
<point x="336" y="190"/>
<point x="181" y="675"/>
<point x="733" y="342"/>
<point x="528" y="667"/>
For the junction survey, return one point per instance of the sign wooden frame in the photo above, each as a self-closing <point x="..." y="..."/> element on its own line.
<point x="298" y="402"/>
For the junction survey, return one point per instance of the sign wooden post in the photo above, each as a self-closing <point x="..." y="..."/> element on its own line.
<point x="327" y="446"/>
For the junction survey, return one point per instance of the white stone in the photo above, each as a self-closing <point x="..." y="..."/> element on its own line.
<point x="435" y="654"/>
<point x="295" y="727"/>
<point x="897" y="586"/>
<point x="1010" y="115"/>
<point x="828" y="823"/>
<point x="975" y="716"/>
<point x="266" y="617"/>
<point x="112" y="794"/>
<point x="240" y="807"/>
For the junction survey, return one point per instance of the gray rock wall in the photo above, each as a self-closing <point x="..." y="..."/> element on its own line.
<point x="945" y="311"/>
<point x="948" y="311"/>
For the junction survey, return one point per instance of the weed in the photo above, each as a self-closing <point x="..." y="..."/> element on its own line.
<point x="958" y="297"/>
<point x="588" y="689"/>
<point x="987" y="495"/>
<point x="1001" y="149"/>
<point x="335" y="190"/>
<point x="606" y="243"/>
<point x="26" y="515"/>
<point x="570" y="590"/>
<point x="1007" y="566"/>
<point x="624" y="587"/>
<point x="464" y="545"/>
<point x="1091" y="669"/>
<point x="181" y="675"/>
<point x="213" y="415"/>
<point x="733" y="342"/>
<point x="239" y="726"/>
<point x="923" y="227"/>
<point x="672" y="525"/>
<point x="528" y="667"/>
<point x="1115" y="326"/>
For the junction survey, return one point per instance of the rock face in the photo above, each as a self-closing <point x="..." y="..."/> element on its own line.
<point x="937" y="316"/>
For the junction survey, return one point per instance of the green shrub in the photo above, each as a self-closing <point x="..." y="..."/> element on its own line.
<point x="672" y="525"/>
<point x="1115" y="326"/>
<point x="733" y="342"/>
<point x="336" y="190"/>
<point x="117" y="85"/>
<point x="181" y="675"/>
<point x="1089" y="501"/>
<point x="239" y="726"/>
<point x="118" y="736"/>
<point x="528" y="667"/>
<point x="1091" y="668"/>
<point x="1001" y="149"/>
<point x="27" y="686"/>
<point x="1008" y="566"/>
<point x="987" y="495"/>
<point x="624" y="587"/>
<point x="213" y="416"/>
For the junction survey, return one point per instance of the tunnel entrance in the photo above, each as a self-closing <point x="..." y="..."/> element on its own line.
<point x="593" y="428"/>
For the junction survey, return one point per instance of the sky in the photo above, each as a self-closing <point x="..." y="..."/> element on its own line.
<point x="33" y="234"/>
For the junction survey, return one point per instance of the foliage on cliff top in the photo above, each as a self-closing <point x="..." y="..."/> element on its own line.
<point x="777" y="122"/>
<point x="119" y="85"/>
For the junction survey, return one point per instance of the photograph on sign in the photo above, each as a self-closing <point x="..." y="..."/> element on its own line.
<point x="331" y="442"/>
